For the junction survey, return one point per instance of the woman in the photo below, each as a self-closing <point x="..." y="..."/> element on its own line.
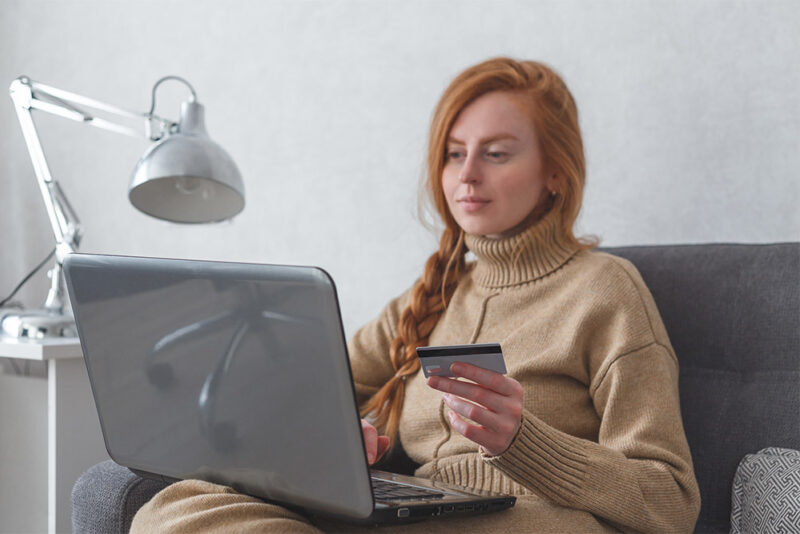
<point x="585" y="428"/>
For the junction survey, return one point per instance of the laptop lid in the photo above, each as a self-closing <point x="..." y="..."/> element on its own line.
<point x="229" y="372"/>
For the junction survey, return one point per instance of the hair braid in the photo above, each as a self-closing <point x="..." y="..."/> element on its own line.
<point x="428" y="301"/>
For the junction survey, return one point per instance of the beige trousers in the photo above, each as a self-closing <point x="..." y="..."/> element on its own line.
<point x="197" y="506"/>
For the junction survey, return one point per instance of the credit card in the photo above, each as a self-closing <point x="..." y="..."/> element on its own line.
<point x="435" y="361"/>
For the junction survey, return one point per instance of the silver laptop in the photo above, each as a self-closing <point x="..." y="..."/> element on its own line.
<point x="238" y="374"/>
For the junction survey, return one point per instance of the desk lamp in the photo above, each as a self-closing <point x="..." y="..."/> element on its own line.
<point x="183" y="177"/>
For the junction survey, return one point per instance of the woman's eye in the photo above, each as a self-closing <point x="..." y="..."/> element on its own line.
<point x="496" y="155"/>
<point x="453" y="155"/>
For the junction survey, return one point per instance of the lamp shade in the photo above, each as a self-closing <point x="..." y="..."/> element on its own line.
<point x="186" y="177"/>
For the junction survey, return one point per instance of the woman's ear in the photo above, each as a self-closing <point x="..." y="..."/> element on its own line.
<point x="553" y="182"/>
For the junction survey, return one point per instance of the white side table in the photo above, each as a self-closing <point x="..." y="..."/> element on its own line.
<point x="74" y="439"/>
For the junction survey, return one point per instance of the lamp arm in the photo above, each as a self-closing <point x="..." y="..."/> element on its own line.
<point x="54" y="200"/>
<point x="28" y="95"/>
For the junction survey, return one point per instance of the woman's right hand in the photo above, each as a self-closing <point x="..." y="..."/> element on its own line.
<point x="376" y="445"/>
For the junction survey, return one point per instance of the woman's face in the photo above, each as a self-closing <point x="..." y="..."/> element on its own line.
<point x="494" y="173"/>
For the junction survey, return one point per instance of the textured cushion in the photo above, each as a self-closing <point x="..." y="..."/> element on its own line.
<point x="732" y="313"/>
<point x="107" y="496"/>
<point x="766" y="492"/>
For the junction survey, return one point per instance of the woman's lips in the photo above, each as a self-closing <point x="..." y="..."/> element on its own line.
<point x="472" y="204"/>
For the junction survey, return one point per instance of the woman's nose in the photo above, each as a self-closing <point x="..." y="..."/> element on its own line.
<point x="470" y="172"/>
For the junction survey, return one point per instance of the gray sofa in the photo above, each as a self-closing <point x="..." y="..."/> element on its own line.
<point x="733" y="315"/>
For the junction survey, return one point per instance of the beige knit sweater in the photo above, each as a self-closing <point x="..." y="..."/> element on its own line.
<point x="601" y="442"/>
<point x="602" y="428"/>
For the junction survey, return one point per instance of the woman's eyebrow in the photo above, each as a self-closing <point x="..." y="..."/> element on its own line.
<point x="485" y="139"/>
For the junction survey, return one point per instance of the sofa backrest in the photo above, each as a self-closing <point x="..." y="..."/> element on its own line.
<point x="733" y="316"/>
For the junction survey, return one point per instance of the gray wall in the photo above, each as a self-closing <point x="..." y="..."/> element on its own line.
<point x="690" y="112"/>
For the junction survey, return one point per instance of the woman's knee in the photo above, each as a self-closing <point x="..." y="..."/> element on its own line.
<point x="195" y="505"/>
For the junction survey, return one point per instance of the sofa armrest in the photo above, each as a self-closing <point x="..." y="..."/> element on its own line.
<point x="107" y="496"/>
<point x="766" y="492"/>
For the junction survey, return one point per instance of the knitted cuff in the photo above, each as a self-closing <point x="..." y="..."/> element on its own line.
<point x="550" y="462"/>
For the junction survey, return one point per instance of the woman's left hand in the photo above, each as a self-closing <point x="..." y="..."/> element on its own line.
<point x="496" y="405"/>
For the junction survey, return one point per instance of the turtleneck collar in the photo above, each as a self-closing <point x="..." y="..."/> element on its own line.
<point x="536" y="251"/>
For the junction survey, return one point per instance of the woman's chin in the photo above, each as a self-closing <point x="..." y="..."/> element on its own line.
<point x="485" y="225"/>
<point x="480" y="229"/>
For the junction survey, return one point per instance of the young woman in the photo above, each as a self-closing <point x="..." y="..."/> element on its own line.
<point x="585" y="428"/>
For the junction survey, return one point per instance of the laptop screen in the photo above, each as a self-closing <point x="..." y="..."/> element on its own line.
<point x="232" y="373"/>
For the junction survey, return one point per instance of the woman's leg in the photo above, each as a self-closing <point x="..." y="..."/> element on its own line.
<point x="530" y="514"/>
<point x="197" y="506"/>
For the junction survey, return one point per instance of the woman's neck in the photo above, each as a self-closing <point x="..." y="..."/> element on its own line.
<point x="522" y="256"/>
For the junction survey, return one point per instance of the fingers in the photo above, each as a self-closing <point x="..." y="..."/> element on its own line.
<point x="474" y="392"/>
<point x="370" y="441"/>
<point x="479" y="414"/>
<point x="488" y="379"/>
<point x="383" y="446"/>
<point x="374" y="444"/>
<point x="494" y="443"/>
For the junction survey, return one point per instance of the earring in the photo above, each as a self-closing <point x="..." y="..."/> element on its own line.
<point x="553" y="193"/>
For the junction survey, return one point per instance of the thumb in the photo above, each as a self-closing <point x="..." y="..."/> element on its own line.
<point x="383" y="445"/>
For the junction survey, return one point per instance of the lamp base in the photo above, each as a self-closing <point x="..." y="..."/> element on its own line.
<point x="36" y="324"/>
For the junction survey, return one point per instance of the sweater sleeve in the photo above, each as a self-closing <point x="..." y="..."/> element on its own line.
<point x="639" y="474"/>
<point x="369" y="349"/>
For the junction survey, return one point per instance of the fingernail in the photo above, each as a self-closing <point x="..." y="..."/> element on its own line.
<point x="455" y="368"/>
<point x="371" y="458"/>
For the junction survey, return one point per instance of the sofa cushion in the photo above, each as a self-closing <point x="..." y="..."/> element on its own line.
<point x="732" y="313"/>
<point x="766" y="492"/>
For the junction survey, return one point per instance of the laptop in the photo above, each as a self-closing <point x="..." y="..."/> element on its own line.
<point x="238" y="374"/>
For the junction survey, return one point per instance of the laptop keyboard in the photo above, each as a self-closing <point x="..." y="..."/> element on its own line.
<point x="386" y="490"/>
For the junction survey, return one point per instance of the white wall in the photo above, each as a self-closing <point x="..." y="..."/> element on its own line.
<point x="690" y="112"/>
